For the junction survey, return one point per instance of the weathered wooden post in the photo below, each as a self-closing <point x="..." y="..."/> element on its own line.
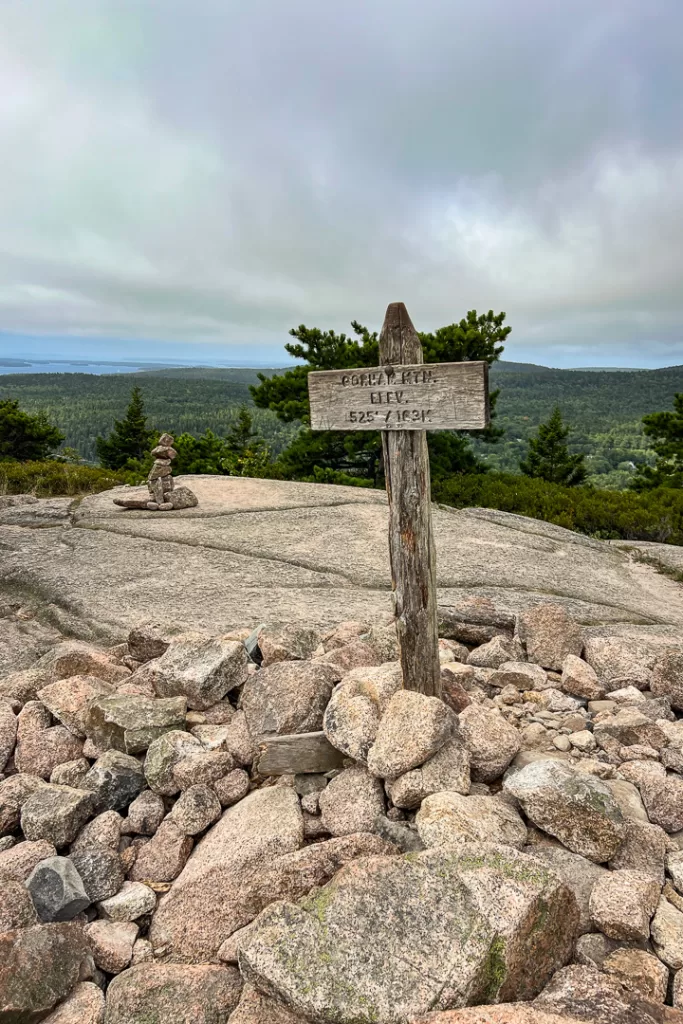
<point x="404" y="398"/>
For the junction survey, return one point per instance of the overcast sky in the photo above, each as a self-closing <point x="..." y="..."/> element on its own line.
<point x="190" y="178"/>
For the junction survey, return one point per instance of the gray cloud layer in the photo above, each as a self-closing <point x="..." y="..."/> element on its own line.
<point x="217" y="170"/>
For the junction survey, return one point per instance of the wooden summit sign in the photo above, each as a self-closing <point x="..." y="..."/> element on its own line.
<point x="403" y="398"/>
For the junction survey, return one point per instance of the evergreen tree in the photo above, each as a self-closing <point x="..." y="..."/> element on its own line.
<point x="25" y="438"/>
<point x="666" y="430"/>
<point x="359" y="453"/>
<point x="548" y="456"/>
<point x="241" y="439"/>
<point x="131" y="438"/>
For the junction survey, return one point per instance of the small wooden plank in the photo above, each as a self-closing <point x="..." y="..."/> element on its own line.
<point x="298" y="753"/>
<point x="411" y="540"/>
<point x="402" y="396"/>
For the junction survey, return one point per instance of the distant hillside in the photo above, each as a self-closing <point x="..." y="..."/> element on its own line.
<point x="603" y="408"/>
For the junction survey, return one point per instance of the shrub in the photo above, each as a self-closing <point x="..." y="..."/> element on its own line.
<point x="52" y="478"/>
<point x="655" y="515"/>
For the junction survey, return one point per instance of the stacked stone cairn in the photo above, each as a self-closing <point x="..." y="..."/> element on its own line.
<point x="163" y="496"/>
<point x="264" y="827"/>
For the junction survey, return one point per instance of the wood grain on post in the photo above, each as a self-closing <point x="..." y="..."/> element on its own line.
<point x="411" y="541"/>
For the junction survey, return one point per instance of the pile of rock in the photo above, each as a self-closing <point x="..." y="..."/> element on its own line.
<point x="163" y="496"/>
<point x="266" y="828"/>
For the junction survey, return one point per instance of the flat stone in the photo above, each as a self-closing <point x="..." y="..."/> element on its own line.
<point x="447" y="819"/>
<point x="57" y="890"/>
<point x="578" y="809"/>
<point x="549" y="634"/>
<point x="56" y="813"/>
<point x="411" y="730"/>
<point x="115" y="780"/>
<point x="201" y="669"/>
<point x="39" y="966"/>
<point x="288" y="697"/>
<point x="491" y="741"/>
<point x="351" y="802"/>
<point x="173" y="993"/>
<point x="131" y="724"/>
<point x="373" y="926"/>
<point x="622" y="904"/>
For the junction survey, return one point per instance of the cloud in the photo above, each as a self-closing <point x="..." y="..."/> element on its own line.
<point x="216" y="172"/>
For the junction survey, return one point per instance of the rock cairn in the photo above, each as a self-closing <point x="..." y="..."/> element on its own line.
<point x="163" y="496"/>
<point x="264" y="827"/>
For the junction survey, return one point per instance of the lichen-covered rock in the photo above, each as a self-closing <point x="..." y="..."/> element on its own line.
<point x="662" y="792"/>
<point x="578" y="873"/>
<point x="201" y="669"/>
<point x="447" y="770"/>
<point x="578" y="809"/>
<point x="411" y="730"/>
<point x="132" y="901"/>
<point x="622" y="904"/>
<point x="640" y="972"/>
<point x="8" y="732"/>
<point x="365" y="948"/>
<point x="491" y="741"/>
<point x="356" y="706"/>
<point x="287" y="697"/>
<point x="173" y="994"/>
<point x="351" y="802"/>
<point x="666" y="928"/>
<point x="549" y="635"/>
<point x="85" y="1005"/>
<point x="667" y="678"/>
<point x="163" y="755"/>
<point x="38" y="967"/>
<point x="286" y="642"/>
<point x="203" y="907"/>
<point x="131" y="724"/>
<point x="68" y="699"/>
<point x="115" y="780"/>
<point x="196" y="809"/>
<point x="56" y="813"/>
<point x="447" y="819"/>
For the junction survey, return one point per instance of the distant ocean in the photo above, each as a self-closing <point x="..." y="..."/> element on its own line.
<point x="79" y="367"/>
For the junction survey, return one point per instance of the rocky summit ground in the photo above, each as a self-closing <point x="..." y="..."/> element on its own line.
<point x="263" y="550"/>
<point x="211" y="813"/>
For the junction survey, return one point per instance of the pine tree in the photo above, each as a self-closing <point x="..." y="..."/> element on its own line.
<point x="130" y="440"/>
<point x="25" y="438"/>
<point x="666" y="429"/>
<point x="241" y="439"/>
<point x="548" y="456"/>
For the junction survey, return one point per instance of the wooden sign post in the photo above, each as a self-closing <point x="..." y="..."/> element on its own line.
<point x="403" y="398"/>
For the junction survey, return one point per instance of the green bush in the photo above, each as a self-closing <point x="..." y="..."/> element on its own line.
<point x="655" y="515"/>
<point x="52" y="478"/>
